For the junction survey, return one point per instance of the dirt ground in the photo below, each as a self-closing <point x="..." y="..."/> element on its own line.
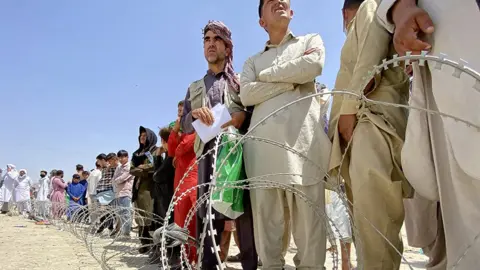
<point x="25" y="245"/>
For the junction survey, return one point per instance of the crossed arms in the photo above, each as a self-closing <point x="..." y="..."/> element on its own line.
<point x="281" y="78"/>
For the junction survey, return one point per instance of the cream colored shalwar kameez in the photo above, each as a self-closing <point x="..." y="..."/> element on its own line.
<point x="453" y="174"/>
<point x="371" y="169"/>
<point x="270" y="79"/>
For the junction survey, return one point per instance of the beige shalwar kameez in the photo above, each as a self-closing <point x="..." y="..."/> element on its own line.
<point x="372" y="171"/>
<point x="272" y="78"/>
<point x="424" y="226"/>
<point x="452" y="148"/>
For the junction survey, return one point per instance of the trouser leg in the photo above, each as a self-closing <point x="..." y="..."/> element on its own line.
<point x="308" y="226"/>
<point x="436" y="251"/>
<point x="268" y="207"/>
<point x="377" y="200"/>
<point x="209" y="260"/>
<point x="244" y="224"/>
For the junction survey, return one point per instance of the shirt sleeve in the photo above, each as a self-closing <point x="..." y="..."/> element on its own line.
<point x="373" y="46"/>
<point x="253" y="92"/>
<point x="172" y="144"/>
<point x="299" y="70"/>
<point x="185" y="146"/>
<point x="187" y="119"/>
<point x="236" y="104"/>
<point x="382" y="14"/>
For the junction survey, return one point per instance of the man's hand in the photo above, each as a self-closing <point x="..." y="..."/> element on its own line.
<point x="346" y="125"/>
<point x="237" y="120"/>
<point x="176" y="127"/>
<point x="141" y="166"/>
<point x="174" y="162"/>
<point x="311" y="50"/>
<point x="410" y="21"/>
<point x="203" y="114"/>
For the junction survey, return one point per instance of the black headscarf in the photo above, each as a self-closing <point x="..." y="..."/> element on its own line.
<point x="139" y="156"/>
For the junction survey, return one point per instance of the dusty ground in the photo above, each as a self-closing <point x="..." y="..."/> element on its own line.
<point x="25" y="245"/>
<point x="40" y="247"/>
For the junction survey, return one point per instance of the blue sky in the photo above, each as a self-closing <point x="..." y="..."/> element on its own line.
<point x="78" y="78"/>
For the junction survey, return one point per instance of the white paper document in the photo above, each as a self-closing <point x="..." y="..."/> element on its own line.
<point x="220" y="116"/>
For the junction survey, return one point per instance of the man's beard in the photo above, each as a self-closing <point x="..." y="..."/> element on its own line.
<point x="217" y="60"/>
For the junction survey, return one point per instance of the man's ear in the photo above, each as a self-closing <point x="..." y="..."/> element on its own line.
<point x="228" y="52"/>
<point x="291" y="13"/>
<point x="262" y="23"/>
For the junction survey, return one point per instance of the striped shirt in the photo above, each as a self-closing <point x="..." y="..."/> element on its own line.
<point x="105" y="183"/>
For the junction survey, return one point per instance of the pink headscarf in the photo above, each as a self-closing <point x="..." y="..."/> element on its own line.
<point x="224" y="33"/>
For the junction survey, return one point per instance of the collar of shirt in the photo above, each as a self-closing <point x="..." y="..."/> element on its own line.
<point x="285" y="39"/>
<point x="213" y="74"/>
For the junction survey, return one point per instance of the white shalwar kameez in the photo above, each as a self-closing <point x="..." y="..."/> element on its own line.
<point x="22" y="193"/>
<point x="6" y="191"/>
<point x="43" y="190"/>
<point x="452" y="148"/>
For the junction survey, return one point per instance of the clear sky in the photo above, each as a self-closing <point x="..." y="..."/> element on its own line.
<point x="78" y="78"/>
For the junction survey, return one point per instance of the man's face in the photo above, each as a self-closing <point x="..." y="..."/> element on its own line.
<point x="348" y="15"/>
<point x="164" y="144"/>
<point x="214" y="48"/>
<point x="113" y="162"/>
<point x="22" y="173"/>
<point x="85" y="175"/>
<point x="102" y="162"/>
<point x="123" y="160"/>
<point x="180" y="111"/>
<point x="143" y="137"/>
<point x="276" y="13"/>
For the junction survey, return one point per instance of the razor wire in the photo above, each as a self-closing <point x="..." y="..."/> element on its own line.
<point x="113" y="249"/>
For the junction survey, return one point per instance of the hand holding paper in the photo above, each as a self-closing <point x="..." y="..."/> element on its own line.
<point x="220" y="116"/>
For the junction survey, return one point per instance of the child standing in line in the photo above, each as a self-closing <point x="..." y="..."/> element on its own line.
<point x="76" y="191"/>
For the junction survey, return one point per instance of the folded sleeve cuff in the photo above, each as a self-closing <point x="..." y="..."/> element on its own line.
<point x="233" y="108"/>
<point x="382" y="15"/>
<point x="349" y="106"/>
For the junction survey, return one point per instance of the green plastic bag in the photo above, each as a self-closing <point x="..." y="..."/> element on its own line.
<point x="229" y="201"/>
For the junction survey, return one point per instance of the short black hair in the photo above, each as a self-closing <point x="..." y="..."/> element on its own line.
<point x="85" y="173"/>
<point x="181" y="102"/>
<point x="59" y="173"/>
<point x="110" y="156"/>
<point x="76" y="176"/>
<point x="122" y="153"/>
<point x="102" y="156"/>
<point x="79" y="167"/>
<point x="260" y="7"/>
<point x="44" y="172"/>
<point x="165" y="133"/>
<point x="352" y="4"/>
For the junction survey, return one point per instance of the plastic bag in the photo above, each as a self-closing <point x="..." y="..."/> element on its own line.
<point x="229" y="200"/>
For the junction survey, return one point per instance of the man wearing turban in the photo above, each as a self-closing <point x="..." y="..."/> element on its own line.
<point x="220" y="85"/>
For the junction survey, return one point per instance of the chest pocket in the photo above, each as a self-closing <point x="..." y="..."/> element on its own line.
<point x="197" y="96"/>
<point x="292" y="51"/>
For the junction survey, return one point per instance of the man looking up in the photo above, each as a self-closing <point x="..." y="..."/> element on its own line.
<point x="284" y="71"/>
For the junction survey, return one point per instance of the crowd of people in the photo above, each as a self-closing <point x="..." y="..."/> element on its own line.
<point x="434" y="189"/>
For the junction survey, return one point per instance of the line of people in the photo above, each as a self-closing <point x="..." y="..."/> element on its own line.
<point x="368" y="145"/>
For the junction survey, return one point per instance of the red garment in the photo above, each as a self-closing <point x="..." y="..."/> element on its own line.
<point x="181" y="148"/>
